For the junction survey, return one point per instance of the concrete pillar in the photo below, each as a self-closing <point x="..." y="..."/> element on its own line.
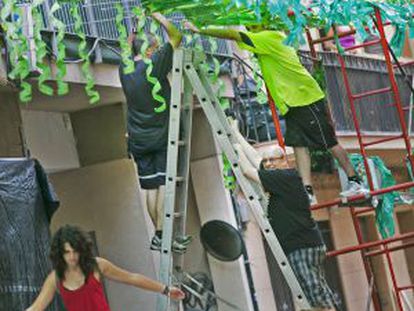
<point x="11" y="144"/>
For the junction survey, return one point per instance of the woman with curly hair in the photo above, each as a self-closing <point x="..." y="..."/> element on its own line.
<point x="77" y="275"/>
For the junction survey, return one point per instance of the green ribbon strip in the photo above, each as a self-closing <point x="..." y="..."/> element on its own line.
<point x="41" y="51"/>
<point x="20" y="47"/>
<point x="229" y="179"/>
<point x="129" y="66"/>
<point x="278" y="14"/>
<point x="62" y="87"/>
<point x="156" y="86"/>
<point x="83" y="53"/>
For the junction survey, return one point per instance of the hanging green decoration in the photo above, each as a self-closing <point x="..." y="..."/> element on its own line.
<point x="129" y="65"/>
<point x="229" y="179"/>
<point x="93" y="95"/>
<point x="156" y="86"/>
<point x="41" y="50"/>
<point x="62" y="87"/>
<point x="292" y="16"/>
<point x="19" y="53"/>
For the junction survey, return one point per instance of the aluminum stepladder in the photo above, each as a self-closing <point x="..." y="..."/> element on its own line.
<point x="189" y="76"/>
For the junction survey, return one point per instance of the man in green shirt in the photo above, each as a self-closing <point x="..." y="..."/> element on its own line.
<point x="297" y="96"/>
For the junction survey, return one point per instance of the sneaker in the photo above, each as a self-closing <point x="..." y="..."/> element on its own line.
<point x="311" y="195"/>
<point x="178" y="248"/>
<point x="155" y="243"/>
<point x="354" y="188"/>
<point x="184" y="240"/>
<point x="312" y="199"/>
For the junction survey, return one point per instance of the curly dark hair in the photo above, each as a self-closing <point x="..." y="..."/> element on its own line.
<point x="80" y="242"/>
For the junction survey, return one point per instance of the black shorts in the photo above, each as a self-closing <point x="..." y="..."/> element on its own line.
<point x="151" y="168"/>
<point x="310" y="126"/>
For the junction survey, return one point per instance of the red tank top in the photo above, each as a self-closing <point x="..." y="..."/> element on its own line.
<point x="89" y="297"/>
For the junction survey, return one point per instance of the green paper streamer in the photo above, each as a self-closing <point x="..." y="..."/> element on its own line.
<point x="41" y="50"/>
<point x="229" y="179"/>
<point x="92" y="94"/>
<point x="20" y="48"/>
<point x="156" y="86"/>
<point x="62" y="87"/>
<point x="129" y="66"/>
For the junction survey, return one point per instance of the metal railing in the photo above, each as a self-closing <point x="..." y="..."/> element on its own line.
<point x="98" y="20"/>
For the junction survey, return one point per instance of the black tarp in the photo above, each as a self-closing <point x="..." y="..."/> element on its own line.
<point x="27" y="203"/>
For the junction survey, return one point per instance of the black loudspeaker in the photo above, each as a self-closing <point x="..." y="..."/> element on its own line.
<point x="221" y="240"/>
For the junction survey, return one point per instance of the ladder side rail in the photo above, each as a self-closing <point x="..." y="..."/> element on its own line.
<point x="223" y="139"/>
<point x="163" y="302"/>
<point x="184" y="158"/>
<point x="229" y="131"/>
<point x="394" y="84"/>
<point x="354" y="215"/>
<point x="356" y="121"/>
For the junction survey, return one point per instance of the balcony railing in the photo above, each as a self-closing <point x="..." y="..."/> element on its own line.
<point x="98" y="18"/>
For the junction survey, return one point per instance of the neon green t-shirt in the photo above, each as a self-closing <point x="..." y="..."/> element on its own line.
<point x="289" y="83"/>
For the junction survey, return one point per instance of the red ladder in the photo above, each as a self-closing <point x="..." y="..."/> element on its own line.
<point x="393" y="88"/>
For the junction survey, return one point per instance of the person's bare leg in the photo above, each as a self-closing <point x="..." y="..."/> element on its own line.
<point x="342" y="156"/>
<point x="303" y="163"/>
<point x="160" y="208"/>
<point x="151" y="201"/>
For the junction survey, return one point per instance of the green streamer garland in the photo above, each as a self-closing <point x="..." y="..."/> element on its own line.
<point x="62" y="87"/>
<point x="92" y="94"/>
<point x="292" y="15"/>
<point x="229" y="179"/>
<point x="129" y="66"/>
<point x="19" y="52"/>
<point x="41" y="50"/>
<point x="156" y="86"/>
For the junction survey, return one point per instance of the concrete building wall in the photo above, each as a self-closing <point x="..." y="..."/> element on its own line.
<point x="50" y="139"/>
<point x="105" y="198"/>
<point x="100" y="134"/>
<point x="11" y="144"/>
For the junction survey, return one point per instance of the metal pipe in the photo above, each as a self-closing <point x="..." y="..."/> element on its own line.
<point x="341" y="201"/>
<point x="366" y="245"/>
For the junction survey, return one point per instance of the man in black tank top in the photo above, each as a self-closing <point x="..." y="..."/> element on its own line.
<point x="148" y="128"/>
<point x="290" y="217"/>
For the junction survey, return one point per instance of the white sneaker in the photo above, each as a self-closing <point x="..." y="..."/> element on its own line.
<point x="354" y="188"/>
<point x="312" y="199"/>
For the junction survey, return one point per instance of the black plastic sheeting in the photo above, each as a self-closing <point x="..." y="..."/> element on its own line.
<point x="27" y="203"/>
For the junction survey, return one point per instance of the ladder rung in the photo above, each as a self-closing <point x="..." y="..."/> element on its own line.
<point x="177" y="215"/>
<point x="364" y="210"/>
<point x="383" y="140"/>
<point x="362" y="45"/>
<point x="179" y="178"/>
<point x="181" y="143"/>
<point x="404" y="64"/>
<point x="370" y="93"/>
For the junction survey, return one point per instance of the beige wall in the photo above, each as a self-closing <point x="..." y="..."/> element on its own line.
<point x="100" y="134"/>
<point x="105" y="198"/>
<point x="50" y="139"/>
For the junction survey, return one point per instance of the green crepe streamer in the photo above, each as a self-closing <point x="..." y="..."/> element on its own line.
<point x="129" y="66"/>
<point x="229" y="179"/>
<point x="19" y="52"/>
<point x="62" y="87"/>
<point x="41" y="50"/>
<point x="93" y="95"/>
<point x="156" y="86"/>
<point x="277" y="14"/>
